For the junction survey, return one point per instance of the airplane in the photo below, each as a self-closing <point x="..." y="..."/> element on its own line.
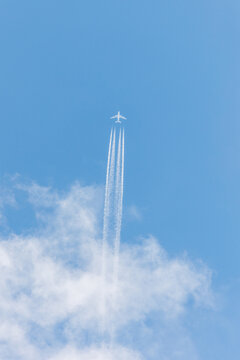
<point x="118" y="117"/>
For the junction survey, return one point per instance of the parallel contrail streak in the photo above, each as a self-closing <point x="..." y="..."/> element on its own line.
<point x="112" y="172"/>
<point x="117" y="184"/>
<point x="108" y="189"/>
<point x="119" y="204"/>
<point x="106" y="202"/>
<point x="116" y="233"/>
<point x="119" y="209"/>
<point x="112" y="229"/>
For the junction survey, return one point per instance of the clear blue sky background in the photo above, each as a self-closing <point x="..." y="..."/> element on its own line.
<point x="171" y="67"/>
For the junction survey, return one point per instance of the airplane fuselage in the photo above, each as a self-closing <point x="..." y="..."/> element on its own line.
<point x="118" y="117"/>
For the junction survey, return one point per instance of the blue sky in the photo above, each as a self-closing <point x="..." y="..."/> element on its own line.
<point x="171" y="67"/>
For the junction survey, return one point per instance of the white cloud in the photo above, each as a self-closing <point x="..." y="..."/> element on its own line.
<point x="7" y="198"/>
<point x="115" y="353"/>
<point x="50" y="285"/>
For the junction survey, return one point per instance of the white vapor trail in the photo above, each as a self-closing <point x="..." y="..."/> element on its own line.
<point x="111" y="184"/>
<point x="106" y="203"/>
<point x="109" y="175"/>
<point x="120" y="200"/>
<point x="118" y="221"/>
<point x="119" y="205"/>
<point x="118" y="192"/>
<point x="112" y="220"/>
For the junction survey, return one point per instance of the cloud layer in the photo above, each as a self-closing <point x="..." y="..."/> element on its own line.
<point x="51" y="287"/>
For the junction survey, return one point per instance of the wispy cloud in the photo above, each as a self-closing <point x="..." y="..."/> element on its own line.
<point x="50" y="286"/>
<point x="6" y="199"/>
<point x="134" y="213"/>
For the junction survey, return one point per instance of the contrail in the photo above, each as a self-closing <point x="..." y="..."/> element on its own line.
<point x="106" y="202"/>
<point x="111" y="182"/>
<point x="118" y="199"/>
<point x="107" y="205"/>
<point x="118" y="222"/>
<point x="117" y="185"/>
<point x="119" y="205"/>
<point x="112" y="228"/>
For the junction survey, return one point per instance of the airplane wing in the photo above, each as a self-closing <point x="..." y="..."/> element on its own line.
<point x="122" y="117"/>
<point x="114" y="117"/>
